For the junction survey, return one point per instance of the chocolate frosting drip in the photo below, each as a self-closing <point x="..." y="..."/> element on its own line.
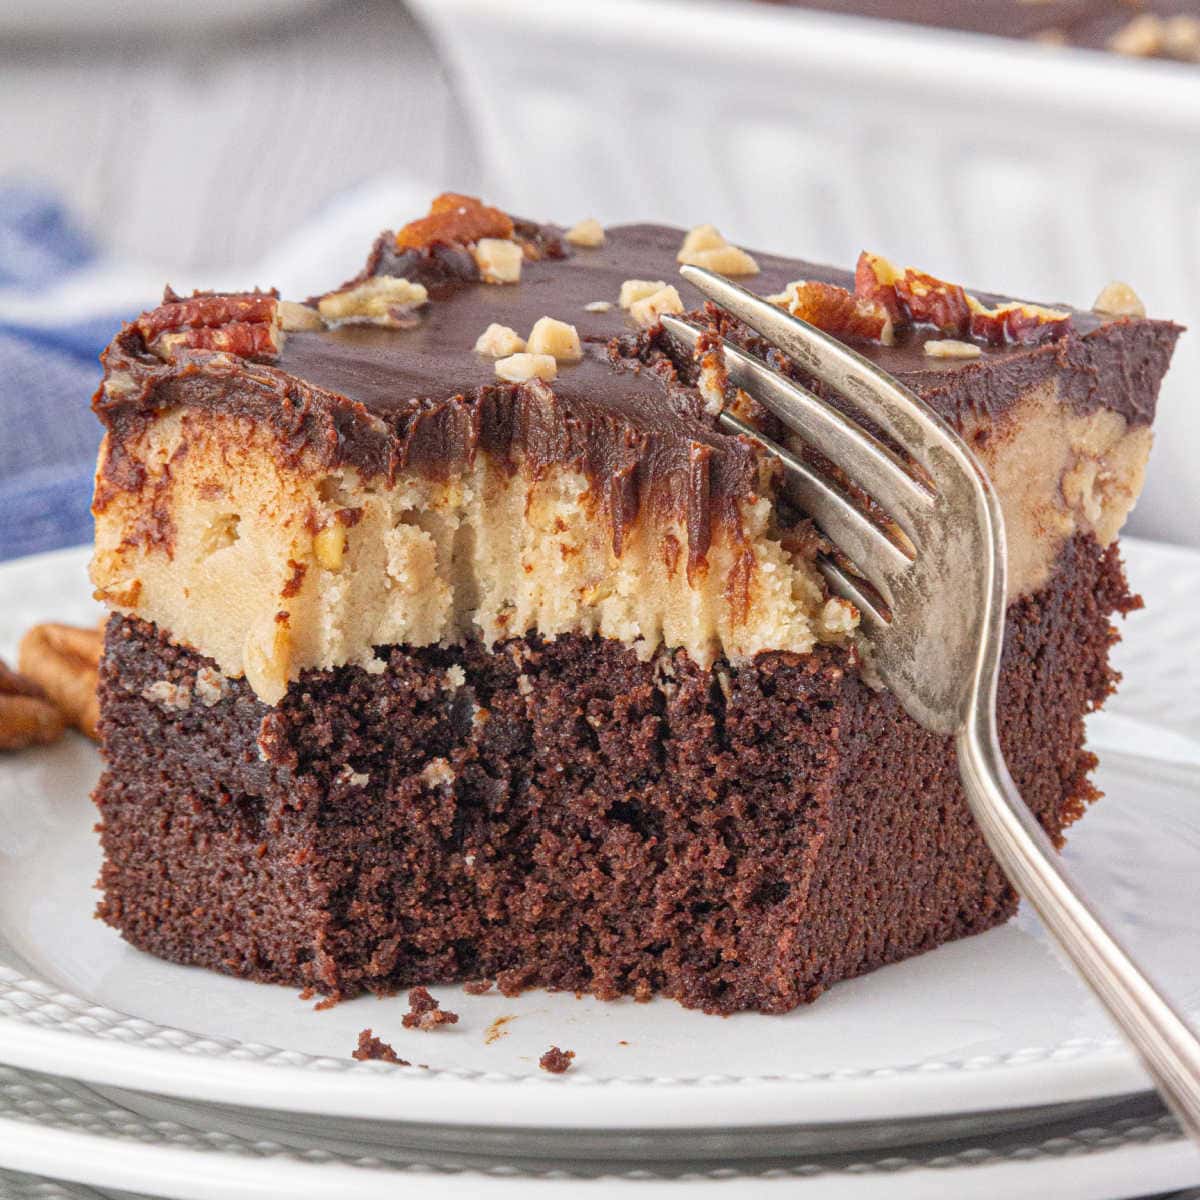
<point x="1088" y="23"/>
<point x="627" y="416"/>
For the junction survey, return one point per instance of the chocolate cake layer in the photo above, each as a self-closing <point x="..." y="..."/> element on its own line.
<point x="565" y="814"/>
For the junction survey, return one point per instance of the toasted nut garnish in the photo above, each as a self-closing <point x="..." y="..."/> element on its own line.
<point x="380" y="300"/>
<point x="650" y="309"/>
<point x="838" y="311"/>
<point x="267" y="661"/>
<point x="702" y="237"/>
<point x="517" y="368"/>
<point x="1015" y="323"/>
<point x="27" y="715"/>
<point x="586" y="233"/>
<point x="555" y="338"/>
<point x="499" y="261"/>
<point x="455" y="220"/>
<point x="1181" y="38"/>
<point x="725" y="260"/>
<point x="241" y="323"/>
<point x="329" y="546"/>
<point x="633" y="290"/>
<point x="952" y="348"/>
<point x="298" y="318"/>
<point x="597" y="306"/>
<point x="499" y="341"/>
<point x="64" y="661"/>
<point x="705" y="247"/>
<point x="1142" y="37"/>
<point x="1118" y="299"/>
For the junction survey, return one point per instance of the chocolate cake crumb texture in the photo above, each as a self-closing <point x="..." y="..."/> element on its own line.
<point x="733" y="851"/>
<point x="372" y="1049"/>
<point x="556" y="1061"/>
<point x="425" y="1013"/>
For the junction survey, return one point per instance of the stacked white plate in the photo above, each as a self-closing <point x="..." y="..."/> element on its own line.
<point x="982" y="1069"/>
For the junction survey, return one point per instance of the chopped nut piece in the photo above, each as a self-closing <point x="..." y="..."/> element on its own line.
<point x="380" y="300"/>
<point x="556" y="338"/>
<point x="298" y="318"/>
<point x="329" y="546"/>
<point x="64" y="660"/>
<point x="633" y="290"/>
<point x="1016" y="323"/>
<point x="499" y="261"/>
<point x="242" y="323"/>
<point x="1141" y="38"/>
<point x="27" y="715"/>
<point x="702" y="237"/>
<point x="455" y="220"/>
<point x="838" y="311"/>
<point x="650" y="309"/>
<point x="1181" y="38"/>
<point x="932" y="301"/>
<point x="1118" y="299"/>
<point x="705" y="247"/>
<point x="586" y="233"/>
<point x="725" y="260"/>
<point x="875" y="278"/>
<point x="951" y="348"/>
<point x="499" y="341"/>
<point x="598" y="306"/>
<point x="517" y="368"/>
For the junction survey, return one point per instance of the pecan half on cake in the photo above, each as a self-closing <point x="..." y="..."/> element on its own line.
<point x="452" y="639"/>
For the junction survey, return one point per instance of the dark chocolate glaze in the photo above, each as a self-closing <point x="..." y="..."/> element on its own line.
<point x="627" y="417"/>
<point x="1087" y="23"/>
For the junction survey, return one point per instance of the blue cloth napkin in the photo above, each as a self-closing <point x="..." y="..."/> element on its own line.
<point x="48" y="434"/>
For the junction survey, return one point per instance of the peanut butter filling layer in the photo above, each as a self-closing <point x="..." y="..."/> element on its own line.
<point x="270" y="566"/>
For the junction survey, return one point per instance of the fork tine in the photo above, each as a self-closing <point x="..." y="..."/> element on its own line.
<point x="875" y="554"/>
<point x="871" y="618"/>
<point x="877" y="470"/>
<point x="871" y="391"/>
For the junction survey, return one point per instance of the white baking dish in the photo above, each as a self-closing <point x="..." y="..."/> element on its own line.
<point x="1013" y="166"/>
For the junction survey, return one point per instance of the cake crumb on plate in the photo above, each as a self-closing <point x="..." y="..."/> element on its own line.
<point x="424" y="1012"/>
<point x="556" y="1061"/>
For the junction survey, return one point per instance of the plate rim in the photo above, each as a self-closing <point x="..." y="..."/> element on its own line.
<point x="196" y="1160"/>
<point x="193" y="1067"/>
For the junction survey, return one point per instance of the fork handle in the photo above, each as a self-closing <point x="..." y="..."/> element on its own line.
<point x="1167" y="1046"/>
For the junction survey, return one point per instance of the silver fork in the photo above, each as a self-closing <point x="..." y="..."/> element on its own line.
<point x="932" y="609"/>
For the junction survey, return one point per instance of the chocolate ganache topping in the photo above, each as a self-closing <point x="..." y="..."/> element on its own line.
<point x="628" y="415"/>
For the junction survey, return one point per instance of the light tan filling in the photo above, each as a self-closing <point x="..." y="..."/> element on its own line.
<point x="1057" y="473"/>
<point x="270" y="570"/>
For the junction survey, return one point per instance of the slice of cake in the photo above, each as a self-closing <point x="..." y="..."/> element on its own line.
<point x="452" y="639"/>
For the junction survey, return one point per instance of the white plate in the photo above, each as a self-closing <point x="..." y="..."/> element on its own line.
<point x="990" y="1023"/>
<point x="66" y="1130"/>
